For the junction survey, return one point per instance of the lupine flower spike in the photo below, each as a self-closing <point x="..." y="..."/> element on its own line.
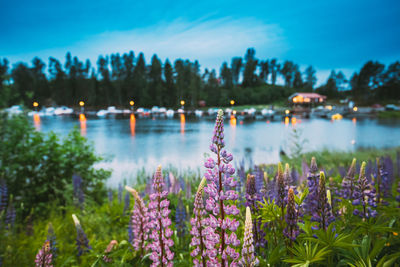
<point x="349" y="181"/>
<point x="311" y="201"/>
<point x="281" y="190"/>
<point x="82" y="243"/>
<point x="197" y="231"/>
<point x="44" y="258"/>
<point x="139" y="222"/>
<point x="159" y="224"/>
<point x="323" y="214"/>
<point x="292" y="229"/>
<point x="248" y="258"/>
<point x="221" y="225"/>
<point x="365" y="195"/>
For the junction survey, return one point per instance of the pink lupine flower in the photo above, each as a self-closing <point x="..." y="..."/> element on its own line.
<point x="220" y="225"/>
<point x="197" y="231"/>
<point x="248" y="258"/>
<point x="139" y="222"/>
<point x="44" y="258"/>
<point x="160" y="232"/>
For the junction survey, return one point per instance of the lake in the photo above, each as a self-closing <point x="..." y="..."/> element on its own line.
<point x="132" y="143"/>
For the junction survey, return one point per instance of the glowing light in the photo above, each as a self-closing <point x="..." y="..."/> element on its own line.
<point x="354" y="120"/>
<point x="337" y="116"/>
<point x="355" y="109"/>
<point x="307" y="100"/>
<point x="232" y="102"/>
<point x="328" y="107"/>
<point x="232" y="121"/>
<point x="234" y="112"/>
<point x="81" y="103"/>
<point x="268" y="121"/>
<point x="298" y="98"/>
<point x="241" y="122"/>
<point x="294" y="120"/>
<point x="132" y="123"/>
<point x="35" y="104"/>
<point x="36" y="121"/>
<point x="183" y="121"/>
<point x="82" y="120"/>
<point x="321" y="99"/>
<point x="131" y="102"/>
<point x="287" y="111"/>
<point x="287" y="120"/>
<point x="182" y="102"/>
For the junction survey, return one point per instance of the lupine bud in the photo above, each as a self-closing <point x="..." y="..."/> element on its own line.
<point x="348" y="182"/>
<point x="198" y="238"/>
<point x="111" y="245"/>
<point x="180" y="219"/>
<point x="82" y="243"/>
<point x="280" y="201"/>
<point x="139" y="222"/>
<point x="44" y="257"/>
<point x="248" y="258"/>
<point x="311" y="201"/>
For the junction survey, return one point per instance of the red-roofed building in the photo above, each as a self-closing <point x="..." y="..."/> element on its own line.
<point x="306" y="98"/>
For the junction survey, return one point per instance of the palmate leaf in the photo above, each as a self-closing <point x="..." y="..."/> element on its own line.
<point x="332" y="240"/>
<point x="300" y="200"/>
<point x="306" y="254"/>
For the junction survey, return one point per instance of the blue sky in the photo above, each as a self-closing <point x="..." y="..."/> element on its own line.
<point x="340" y="35"/>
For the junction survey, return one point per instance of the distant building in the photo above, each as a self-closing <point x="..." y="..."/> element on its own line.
<point x="306" y="99"/>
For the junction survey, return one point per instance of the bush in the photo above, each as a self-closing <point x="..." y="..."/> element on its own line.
<point x="38" y="167"/>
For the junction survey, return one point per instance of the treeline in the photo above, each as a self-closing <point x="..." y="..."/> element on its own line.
<point x="117" y="79"/>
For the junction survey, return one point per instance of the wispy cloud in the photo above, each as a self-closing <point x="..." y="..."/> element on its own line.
<point x="210" y="41"/>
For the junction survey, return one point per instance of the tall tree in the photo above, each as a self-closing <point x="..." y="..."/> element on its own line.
<point x="170" y="92"/>
<point x="156" y="87"/>
<point x="249" y="76"/>
<point x="274" y="69"/>
<point x="23" y="84"/>
<point x="5" y="89"/>
<point x="298" y="80"/>
<point x="236" y="67"/>
<point x="58" y="86"/>
<point x="310" y="78"/>
<point x="288" y="72"/>
<point x="41" y="90"/>
<point x="105" y="85"/>
<point x="264" y="70"/>
<point x="226" y="76"/>
<point x="140" y="82"/>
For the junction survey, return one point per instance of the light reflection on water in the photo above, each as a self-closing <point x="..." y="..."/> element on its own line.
<point x="135" y="143"/>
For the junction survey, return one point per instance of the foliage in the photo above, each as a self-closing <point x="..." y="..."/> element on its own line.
<point x="38" y="167"/>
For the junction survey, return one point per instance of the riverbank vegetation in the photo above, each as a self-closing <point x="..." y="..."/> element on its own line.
<point x="329" y="210"/>
<point x="115" y="80"/>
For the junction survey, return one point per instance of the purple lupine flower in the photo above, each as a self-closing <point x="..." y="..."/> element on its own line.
<point x="110" y="247"/>
<point x="79" y="196"/>
<point x="10" y="215"/>
<point x="51" y="237"/>
<point x="364" y="195"/>
<point x="311" y="201"/>
<point x="241" y="174"/>
<point x="349" y="181"/>
<point x="82" y="242"/>
<point x="398" y="163"/>
<point x="305" y="170"/>
<point x="323" y="214"/>
<point x="159" y="224"/>
<point x="110" y="195"/>
<point x="221" y="209"/>
<point x="398" y="191"/>
<point x="198" y="238"/>
<point x="342" y="171"/>
<point x="120" y="188"/>
<point x="280" y="189"/>
<point x="251" y="201"/>
<point x="292" y="229"/>
<point x="295" y="176"/>
<point x="248" y="258"/>
<point x="3" y="195"/>
<point x="258" y="178"/>
<point x="127" y="203"/>
<point x="180" y="219"/>
<point x="139" y="222"/>
<point x="386" y="174"/>
<point x="44" y="258"/>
